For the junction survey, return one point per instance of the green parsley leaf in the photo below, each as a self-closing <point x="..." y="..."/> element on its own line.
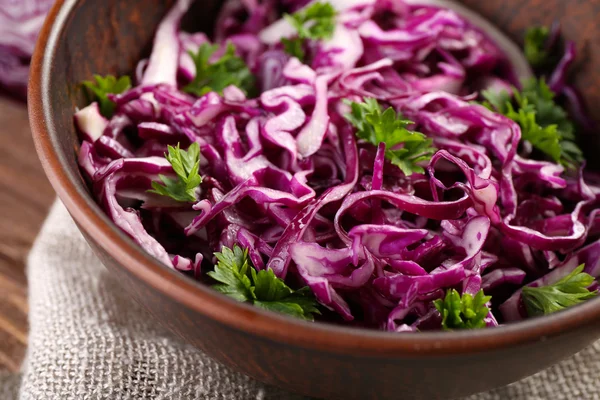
<point x="567" y="292"/>
<point x="314" y="22"/>
<point x="241" y="281"/>
<point x="404" y="148"/>
<point x="232" y="271"/>
<point x="186" y="165"/>
<point x="104" y="85"/>
<point x="229" y="69"/>
<point x="293" y="47"/>
<point x="537" y="93"/>
<point x="496" y="100"/>
<point x="535" y="45"/>
<point x="466" y="312"/>
<point x="546" y="139"/>
<point x="273" y="294"/>
<point x="543" y="122"/>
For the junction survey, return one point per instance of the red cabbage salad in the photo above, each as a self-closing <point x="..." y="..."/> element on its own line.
<point x="367" y="163"/>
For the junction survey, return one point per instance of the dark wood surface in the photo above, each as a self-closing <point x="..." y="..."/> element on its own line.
<point x="25" y="196"/>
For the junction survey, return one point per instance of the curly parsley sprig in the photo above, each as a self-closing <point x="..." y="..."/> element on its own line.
<point x="215" y="76"/>
<point x="567" y="292"/>
<point x="315" y="22"/>
<point x="543" y="123"/>
<point x="102" y="86"/>
<point x="186" y="165"/>
<point x="535" y="47"/>
<point x="463" y="312"/>
<point x="239" y="280"/>
<point x="404" y="148"/>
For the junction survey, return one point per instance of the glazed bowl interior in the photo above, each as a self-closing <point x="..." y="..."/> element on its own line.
<point x="81" y="39"/>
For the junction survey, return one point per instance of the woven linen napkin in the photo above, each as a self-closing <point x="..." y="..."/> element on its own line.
<point x="89" y="340"/>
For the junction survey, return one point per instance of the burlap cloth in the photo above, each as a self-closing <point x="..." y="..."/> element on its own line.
<point x="89" y="340"/>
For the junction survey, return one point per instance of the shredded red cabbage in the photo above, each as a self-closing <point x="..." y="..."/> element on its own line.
<point x="285" y="177"/>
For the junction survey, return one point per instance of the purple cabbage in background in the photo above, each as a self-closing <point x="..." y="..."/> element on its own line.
<point x="285" y="177"/>
<point x="20" y="24"/>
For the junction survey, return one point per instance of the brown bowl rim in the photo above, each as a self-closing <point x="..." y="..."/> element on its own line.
<point x="202" y="299"/>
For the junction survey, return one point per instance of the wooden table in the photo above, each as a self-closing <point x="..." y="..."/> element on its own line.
<point x="25" y="196"/>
